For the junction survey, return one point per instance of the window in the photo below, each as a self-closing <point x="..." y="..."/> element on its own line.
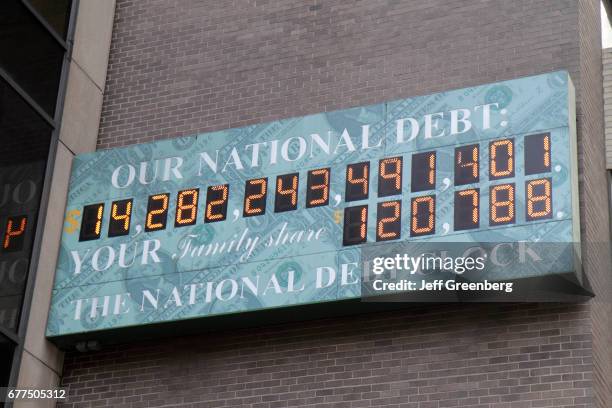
<point x="24" y="145"/>
<point x="55" y="12"/>
<point x="30" y="55"/>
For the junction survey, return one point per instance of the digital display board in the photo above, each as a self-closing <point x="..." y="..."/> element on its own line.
<point x="276" y="214"/>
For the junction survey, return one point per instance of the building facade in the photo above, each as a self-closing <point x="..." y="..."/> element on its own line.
<point x="143" y="71"/>
<point x="35" y="43"/>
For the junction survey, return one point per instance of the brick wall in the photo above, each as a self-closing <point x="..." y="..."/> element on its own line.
<point x="594" y="193"/>
<point x="181" y="67"/>
<point x="607" y="78"/>
<point x="430" y="357"/>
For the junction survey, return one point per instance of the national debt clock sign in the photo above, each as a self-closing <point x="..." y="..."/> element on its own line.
<point x="288" y="213"/>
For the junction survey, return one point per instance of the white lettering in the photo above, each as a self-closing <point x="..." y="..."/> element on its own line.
<point x="430" y="124"/>
<point x="130" y="176"/>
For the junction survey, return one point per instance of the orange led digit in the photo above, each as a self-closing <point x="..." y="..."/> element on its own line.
<point x="431" y="170"/>
<point x="546" y="143"/>
<point x="388" y="223"/>
<point x="357" y="181"/>
<point x="291" y="191"/>
<point x="355" y="229"/>
<point x="537" y="153"/>
<point x="539" y="199"/>
<point x="91" y="224"/>
<point x="121" y="214"/>
<point x="14" y="233"/>
<point x="99" y="213"/>
<point x="186" y="207"/>
<point x="255" y="193"/>
<point x="501" y="159"/>
<point x="423" y="174"/>
<point x="390" y="176"/>
<point x="466" y="165"/>
<point x="286" y="192"/>
<point x="501" y="204"/>
<point x="467" y="209"/>
<point x="363" y="219"/>
<point x="474" y="195"/>
<point x="157" y="212"/>
<point x="216" y="203"/>
<point x="317" y="188"/>
<point x="423" y="215"/>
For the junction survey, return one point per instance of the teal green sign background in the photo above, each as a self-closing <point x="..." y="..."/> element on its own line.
<point x="296" y="257"/>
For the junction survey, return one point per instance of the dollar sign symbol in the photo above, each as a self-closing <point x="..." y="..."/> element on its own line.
<point x="337" y="216"/>
<point x="70" y="219"/>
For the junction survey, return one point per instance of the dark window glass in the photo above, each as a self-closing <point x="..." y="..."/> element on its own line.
<point x="55" y="12"/>
<point x="6" y="357"/>
<point x="24" y="146"/>
<point x="24" y="135"/>
<point x="30" y="55"/>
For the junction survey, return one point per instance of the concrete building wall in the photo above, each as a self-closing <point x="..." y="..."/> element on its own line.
<point x="182" y="67"/>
